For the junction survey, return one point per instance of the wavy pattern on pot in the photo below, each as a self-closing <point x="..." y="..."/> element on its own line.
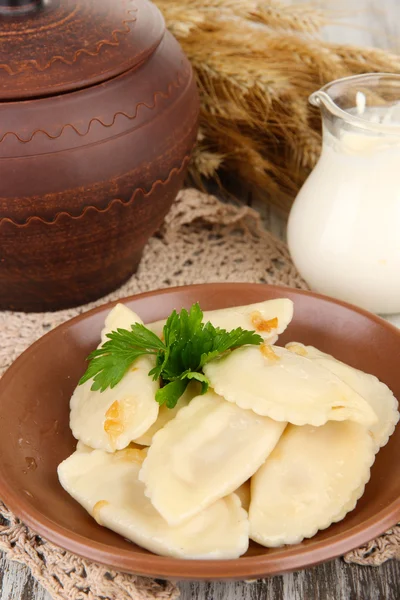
<point x="175" y="172"/>
<point x="181" y="78"/>
<point x="61" y="45"/>
<point x="96" y="113"/>
<point x="34" y="63"/>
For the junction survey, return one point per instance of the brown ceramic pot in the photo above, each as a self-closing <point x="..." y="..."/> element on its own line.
<point x="98" y="116"/>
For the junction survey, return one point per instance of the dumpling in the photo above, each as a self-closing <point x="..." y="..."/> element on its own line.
<point x="107" y="486"/>
<point x="81" y="447"/>
<point x="167" y="414"/>
<point x="110" y="420"/>
<point x="244" y="494"/>
<point x="313" y="478"/>
<point x="268" y="318"/>
<point x="376" y="393"/>
<point x="284" y="386"/>
<point x="205" y="453"/>
<point x="119" y="317"/>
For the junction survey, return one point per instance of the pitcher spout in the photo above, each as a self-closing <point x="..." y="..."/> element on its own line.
<point x="320" y="97"/>
<point x="368" y="102"/>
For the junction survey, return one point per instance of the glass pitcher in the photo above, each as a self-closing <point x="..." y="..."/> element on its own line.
<point x="344" y="226"/>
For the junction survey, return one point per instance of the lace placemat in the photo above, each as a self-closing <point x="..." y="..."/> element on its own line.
<point x="202" y="240"/>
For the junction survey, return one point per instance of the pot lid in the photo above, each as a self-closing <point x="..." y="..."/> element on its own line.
<point x="48" y="47"/>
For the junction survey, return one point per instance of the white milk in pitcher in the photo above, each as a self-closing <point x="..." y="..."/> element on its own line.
<point x="344" y="227"/>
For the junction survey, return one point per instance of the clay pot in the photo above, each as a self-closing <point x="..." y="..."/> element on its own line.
<point x="98" y="116"/>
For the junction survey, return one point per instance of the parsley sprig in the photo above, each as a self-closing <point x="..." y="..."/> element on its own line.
<point x="188" y="345"/>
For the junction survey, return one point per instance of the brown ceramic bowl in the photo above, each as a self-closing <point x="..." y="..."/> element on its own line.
<point x="35" y="436"/>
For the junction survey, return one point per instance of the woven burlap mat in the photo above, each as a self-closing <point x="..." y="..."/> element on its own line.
<point x="202" y="240"/>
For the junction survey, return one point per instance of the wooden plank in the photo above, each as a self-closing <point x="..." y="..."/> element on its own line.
<point x="16" y="583"/>
<point x="331" y="581"/>
<point x="370" y="23"/>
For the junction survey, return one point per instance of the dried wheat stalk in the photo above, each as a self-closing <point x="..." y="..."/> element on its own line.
<point x="256" y="63"/>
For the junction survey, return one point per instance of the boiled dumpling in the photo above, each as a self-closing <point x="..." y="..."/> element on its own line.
<point x="119" y="317"/>
<point x="313" y="478"/>
<point x="205" y="453"/>
<point x="376" y="393"/>
<point x="107" y="486"/>
<point x="284" y="386"/>
<point x="166" y="414"/>
<point x="268" y="318"/>
<point x="110" y="420"/>
<point x="351" y="504"/>
<point x="81" y="447"/>
<point x="244" y="494"/>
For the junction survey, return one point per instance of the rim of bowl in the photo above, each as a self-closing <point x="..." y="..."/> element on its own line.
<point x="290" y="558"/>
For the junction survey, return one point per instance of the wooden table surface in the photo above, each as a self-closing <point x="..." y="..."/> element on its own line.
<point x="370" y="22"/>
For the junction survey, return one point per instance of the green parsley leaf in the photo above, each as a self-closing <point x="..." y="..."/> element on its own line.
<point x="109" y="363"/>
<point x="170" y="393"/>
<point x="224" y="341"/>
<point x="188" y="345"/>
<point x="107" y="370"/>
<point x="199" y="377"/>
